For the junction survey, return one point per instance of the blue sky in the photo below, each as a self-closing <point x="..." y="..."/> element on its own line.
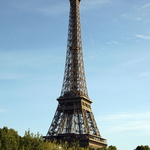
<point x="116" y="47"/>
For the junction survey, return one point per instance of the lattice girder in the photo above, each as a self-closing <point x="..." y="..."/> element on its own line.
<point x="73" y="119"/>
<point x="73" y="116"/>
<point x="74" y="83"/>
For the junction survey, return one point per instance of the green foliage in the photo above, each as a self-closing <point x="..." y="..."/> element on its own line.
<point x="112" y="147"/>
<point x="146" y="147"/>
<point x="32" y="141"/>
<point x="10" y="140"/>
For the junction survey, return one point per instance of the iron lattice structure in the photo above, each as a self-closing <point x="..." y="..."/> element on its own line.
<point x="74" y="119"/>
<point x="74" y="83"/>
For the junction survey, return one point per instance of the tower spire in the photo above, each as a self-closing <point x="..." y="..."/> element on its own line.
<point x="74" y="120"/>
<point x="74" y="83"/>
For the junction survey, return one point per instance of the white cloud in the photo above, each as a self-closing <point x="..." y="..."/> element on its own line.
<point x="136" y="61"/>
<point x="143" y="37"/>
<point x="130" y="122"/>
<point x="142" y="7"/>
<point x="145" y="6"/>
<point x="142" y="127"/>
<point x="137" y="13"/>
<point x="131" y="16"/>
<point x="124" y="115"/>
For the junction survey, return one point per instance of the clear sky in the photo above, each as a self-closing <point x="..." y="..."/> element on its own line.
<point x="116" y="47"/>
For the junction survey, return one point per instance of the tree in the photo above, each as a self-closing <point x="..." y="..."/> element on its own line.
<point x="146" y="147"/>
<point x="32" y="141"/>
<point x="112" y="147"/>
<point x="9" y="139"/>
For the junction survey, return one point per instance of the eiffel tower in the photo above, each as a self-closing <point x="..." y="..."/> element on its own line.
<point x="74" y="120"/>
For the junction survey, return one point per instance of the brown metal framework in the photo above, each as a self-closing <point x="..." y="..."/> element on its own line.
<point x="74" y="83"/>
<point x="74" y="120"/>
